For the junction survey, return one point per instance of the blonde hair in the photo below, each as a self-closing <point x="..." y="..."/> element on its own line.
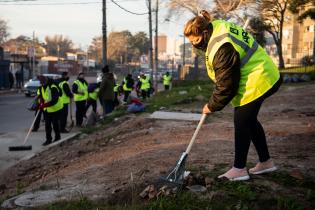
<point x="198" y="24"/>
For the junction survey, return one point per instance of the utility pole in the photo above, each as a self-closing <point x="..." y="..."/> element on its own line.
<point x="104" y="31"/>
<point x="34" y="56"/>
<point x="150" y="34"/>
<point x="156" y="47"/>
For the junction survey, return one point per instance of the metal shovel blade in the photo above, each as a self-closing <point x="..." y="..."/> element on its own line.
<point x="177" y="174"/>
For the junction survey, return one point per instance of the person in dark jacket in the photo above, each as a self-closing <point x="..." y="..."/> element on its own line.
<point x="11" y="79"/>
<point x="80" y="92"/>
<point x="66" y="99"/>
<point x="106" y="93"/>
<point x="52" y="105"/>
<point x="244" y="75"/>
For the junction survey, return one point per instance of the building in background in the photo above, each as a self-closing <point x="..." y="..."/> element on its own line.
<point x="297" y="42"/>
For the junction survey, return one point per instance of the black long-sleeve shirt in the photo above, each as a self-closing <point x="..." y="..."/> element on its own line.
<point x="226" y="63"/>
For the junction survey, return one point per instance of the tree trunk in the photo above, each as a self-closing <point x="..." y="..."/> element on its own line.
<point x="280" y="54"/>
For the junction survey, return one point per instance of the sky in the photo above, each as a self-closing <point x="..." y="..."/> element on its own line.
<point x="82" y="22"/>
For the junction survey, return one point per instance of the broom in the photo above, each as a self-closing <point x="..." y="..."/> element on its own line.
<point x="25" y="147"/>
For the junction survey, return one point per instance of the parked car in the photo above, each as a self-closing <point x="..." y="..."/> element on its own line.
<point x="30" y="87"/>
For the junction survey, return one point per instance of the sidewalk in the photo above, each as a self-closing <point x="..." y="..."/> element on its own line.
<point x="10" y="158"/>
<point x="10" y="91"/>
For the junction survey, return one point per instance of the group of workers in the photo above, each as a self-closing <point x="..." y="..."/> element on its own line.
<point x="54" y="97"/>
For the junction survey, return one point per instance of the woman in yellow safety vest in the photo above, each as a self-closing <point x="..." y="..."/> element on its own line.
<point x="244" y="75"/>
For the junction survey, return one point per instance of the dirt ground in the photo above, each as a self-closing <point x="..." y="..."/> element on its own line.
<point x="101" y="164"/>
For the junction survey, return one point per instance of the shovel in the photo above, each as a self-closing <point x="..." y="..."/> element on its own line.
<point x="23" y="146"/>
<point x="71" y="118"/>
<point x="176" y="176"/>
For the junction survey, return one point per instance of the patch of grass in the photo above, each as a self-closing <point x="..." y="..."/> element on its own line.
<point x="184" y="200"/>
<point x="287" y="203"/>
<point x="283" y="178"/>
<point x="106" y="121"/>
<point x="184" y="92"/>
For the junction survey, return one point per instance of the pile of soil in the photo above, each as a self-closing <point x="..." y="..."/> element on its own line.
<point x="135" y="150"/>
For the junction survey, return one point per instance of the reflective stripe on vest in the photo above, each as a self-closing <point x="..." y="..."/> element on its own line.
<point x="65" y="99"/>
<point x="258" y="72"/>
<point x="167" y="79"/>
<point x="82" y="88"/>
<point x="145" y="83"/>
<point x="125" y="88"/>
<point x="46" y="94"/>
<point x="116" y="87"/>
<point x="94" y="94"/>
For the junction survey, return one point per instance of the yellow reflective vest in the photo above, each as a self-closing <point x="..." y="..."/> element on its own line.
<point x="167" y="79"/>
<point x="125" y="88"/>
<point x="65" y="99"/>
<point x="258" y="73"/>
<point x="46" y="94"/>
<point x="82" y="88"/>
<point x="94" y="94"/>
<point x="145" y="83"/>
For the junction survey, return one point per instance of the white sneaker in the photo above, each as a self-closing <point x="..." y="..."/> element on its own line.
<point x="263" y="167"/>
<point x="235" y="174"/>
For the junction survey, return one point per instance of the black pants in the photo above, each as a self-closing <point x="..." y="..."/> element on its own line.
<point x="80" y="112"/>
<point x="126" y="94"/>
<point x="37" y="121"/>
<point x="89" y="103"/>
<point x="145" y="93"/>
<point x="166" y="87"/>
<point x="52" y="118"/>
<point x="64" y="117"/>
<point x="248" y="128"/>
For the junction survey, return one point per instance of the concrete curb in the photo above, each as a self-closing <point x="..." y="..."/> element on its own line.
<point x="51" y="145"/>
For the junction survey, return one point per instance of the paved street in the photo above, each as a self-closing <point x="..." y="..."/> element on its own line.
<point x="15" y="120"/>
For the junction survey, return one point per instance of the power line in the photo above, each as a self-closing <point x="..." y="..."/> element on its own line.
<point x="134" y="13"/>
<point x="16" y="3"/>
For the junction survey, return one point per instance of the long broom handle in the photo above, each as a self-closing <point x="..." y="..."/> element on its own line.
<point x="29" y="131"/>
<point x="202" y="119"/>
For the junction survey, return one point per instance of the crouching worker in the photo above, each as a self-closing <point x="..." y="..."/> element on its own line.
<point x="93" y="90"/>
<point x="52" y="105"/>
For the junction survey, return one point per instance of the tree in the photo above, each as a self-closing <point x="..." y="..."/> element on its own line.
<point x="21" y="44"/>
<point x="58" y="45"/>
<point x="95" y="49"/>
<point x="141" y="42"/>
<point x="257" y="29"/>
<point x="4" y="33"/>
<point x="273" y="14"/>
<point x="118" y="46"/>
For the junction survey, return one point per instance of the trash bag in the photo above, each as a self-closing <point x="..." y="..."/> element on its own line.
<point x="135" y="108"/>
<point x="33" y="105"/>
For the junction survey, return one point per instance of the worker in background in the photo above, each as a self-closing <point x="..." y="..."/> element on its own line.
<point x="117" y="92"/>
<point x="127" y="84"/>
<point x="167" y="79"/>
<point x="244" y="75"/>
<point x="80" y="92"/>
<point x="66" y="99"/>
<point x="106" y="93"/>
<point x="144" y="85"/>
<point x="39" y="116"/>
<point x="93" y="91"/>
<point x="52" y="105"/>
